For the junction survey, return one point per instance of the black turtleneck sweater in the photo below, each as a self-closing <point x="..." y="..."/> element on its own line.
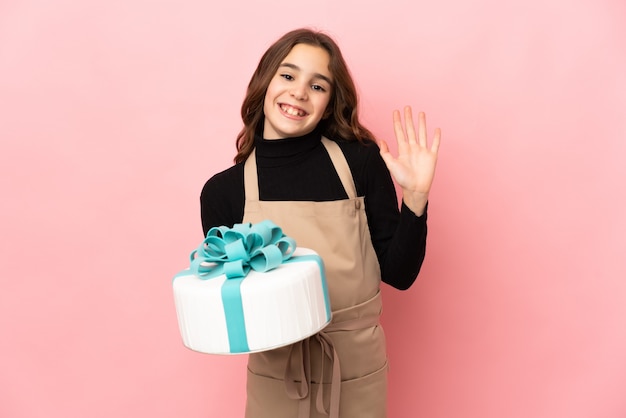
<point x="300" y="169"/>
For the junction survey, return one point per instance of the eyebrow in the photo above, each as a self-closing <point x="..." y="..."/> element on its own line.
<point x="316" y="75"/>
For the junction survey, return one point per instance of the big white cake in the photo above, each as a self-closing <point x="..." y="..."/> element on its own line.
<point x="257" y="312"/>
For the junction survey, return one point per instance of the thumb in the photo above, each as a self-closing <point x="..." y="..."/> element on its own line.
<point x="384" y="152"/>
<point x="384" y="149"/>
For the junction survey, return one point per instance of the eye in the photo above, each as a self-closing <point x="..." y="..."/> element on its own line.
<point x="317" y="87"/>
<point x="287" y="76"/>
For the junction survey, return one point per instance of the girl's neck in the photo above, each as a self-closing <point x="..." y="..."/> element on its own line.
<point x="274" y="149"/>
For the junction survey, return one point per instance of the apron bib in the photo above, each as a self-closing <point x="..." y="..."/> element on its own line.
<point x="341" y="371"/>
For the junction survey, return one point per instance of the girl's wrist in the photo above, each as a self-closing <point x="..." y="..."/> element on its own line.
<point x="415" y="201"/>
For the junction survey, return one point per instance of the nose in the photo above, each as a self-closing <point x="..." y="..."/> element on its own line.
<point x="298" y="91"/>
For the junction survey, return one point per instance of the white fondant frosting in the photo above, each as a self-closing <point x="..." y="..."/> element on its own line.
<point x="282" y="306"/>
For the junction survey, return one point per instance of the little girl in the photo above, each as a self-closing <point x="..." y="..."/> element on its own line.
<point x="305" y="161"/>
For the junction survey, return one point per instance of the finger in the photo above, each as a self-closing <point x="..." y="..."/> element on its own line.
<point x="436" y="141"/>
<point x="384" y="149"/>
<point x="397" y="128"/>
<point x="422" y="129"/>
<point x="384" y="153"/>
<point x="408" y="121"/>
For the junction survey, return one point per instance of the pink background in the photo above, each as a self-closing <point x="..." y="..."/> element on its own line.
<point x="114" y="113"/>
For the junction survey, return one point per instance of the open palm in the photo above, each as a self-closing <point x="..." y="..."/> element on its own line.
<point x="414" y="167"/>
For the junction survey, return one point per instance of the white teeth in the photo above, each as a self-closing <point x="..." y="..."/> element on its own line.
<point x="293" y="112"/>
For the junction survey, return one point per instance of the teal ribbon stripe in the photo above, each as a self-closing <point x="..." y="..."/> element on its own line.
<point x="233" y="252"/>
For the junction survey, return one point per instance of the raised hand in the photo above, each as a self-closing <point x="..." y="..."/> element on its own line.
<point x="414" y="167"/>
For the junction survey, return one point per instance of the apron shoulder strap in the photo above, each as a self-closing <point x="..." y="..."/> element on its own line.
<point x="341" y="165"/>
<point x="250" y="178"/>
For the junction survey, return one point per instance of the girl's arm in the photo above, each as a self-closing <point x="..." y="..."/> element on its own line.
<point x="398" y="235"/>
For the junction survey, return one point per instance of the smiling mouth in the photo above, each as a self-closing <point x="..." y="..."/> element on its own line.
<point x="292" y="111"/>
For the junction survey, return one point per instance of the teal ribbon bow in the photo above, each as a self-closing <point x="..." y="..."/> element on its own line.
<point x="234" y="251"/>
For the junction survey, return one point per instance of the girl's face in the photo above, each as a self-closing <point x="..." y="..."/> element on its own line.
<point x="298" y="95"/>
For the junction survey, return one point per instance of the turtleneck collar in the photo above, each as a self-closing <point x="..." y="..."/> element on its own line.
<point x="276" y="152"/>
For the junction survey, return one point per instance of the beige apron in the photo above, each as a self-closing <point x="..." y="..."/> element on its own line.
<point x="342" y="371"/>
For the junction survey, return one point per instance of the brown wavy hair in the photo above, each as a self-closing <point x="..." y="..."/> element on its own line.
<point x="342" y="121"/>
